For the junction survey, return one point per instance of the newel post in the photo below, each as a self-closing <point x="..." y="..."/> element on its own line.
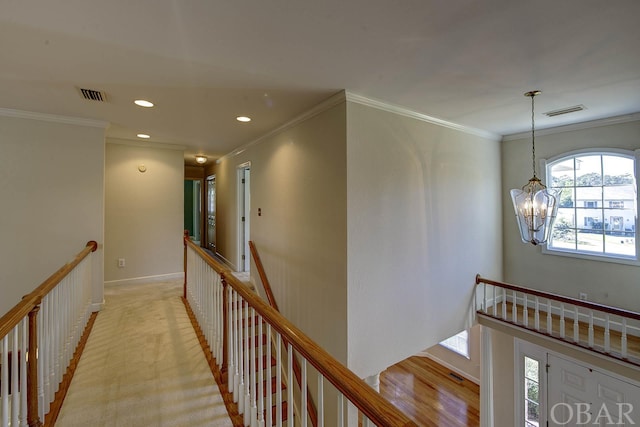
<point x="184" y="241"/>
<point x="33" y="418"/>
<point x="225" y="329"/>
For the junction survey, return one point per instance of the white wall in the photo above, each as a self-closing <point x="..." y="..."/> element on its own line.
<point x="423" y="219"/>
<point x="297" y="180"/>
<point x="51" y="192"/>
<point x="604" y="282"/>
<point x="143" y="212"/>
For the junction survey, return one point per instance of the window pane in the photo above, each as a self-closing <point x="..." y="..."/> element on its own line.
<point x="566" y="198"/>
<point x="588" y="171"/>
<point x="591" y="241"/>
<point x="531" y="368"/>
<point x="531" y="390"/>
<point x="562" y="174"/>
<point x="532" y="412"/>
<point x="617" y="170"/>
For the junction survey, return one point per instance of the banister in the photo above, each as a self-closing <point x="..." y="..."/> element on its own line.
<point x="263" y="276"/>
<point x="313" y="412"/>
<point x="581" y="303"/>
<point x="10" y="319"/>
<point x="366" y="399"/>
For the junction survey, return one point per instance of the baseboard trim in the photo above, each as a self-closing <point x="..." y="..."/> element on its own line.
<point x="145" y="279"/>
<point x="449" y="366"/>
<point x="97" y="306"/>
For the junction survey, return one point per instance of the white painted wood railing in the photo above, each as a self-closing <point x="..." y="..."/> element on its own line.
<point x="251" y="342"/>
<point x="599" y="328"/>
<point x="38" y="339"/>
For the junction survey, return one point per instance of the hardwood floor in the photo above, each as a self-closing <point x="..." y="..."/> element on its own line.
<point x="426" y="392"/>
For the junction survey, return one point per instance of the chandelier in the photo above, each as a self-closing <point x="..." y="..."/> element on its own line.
<point x="534" y="205"/>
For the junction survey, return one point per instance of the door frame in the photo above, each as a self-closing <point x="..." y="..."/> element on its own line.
<point x="207" y="243"/>
<point x="243" y="210"/>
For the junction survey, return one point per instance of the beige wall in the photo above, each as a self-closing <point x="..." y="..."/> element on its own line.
<point x="144" y="212"/>
<point x="51" y="190"/>
<point x="423" y="219"/>
<point x="298" y="181"/>
<point x="525" y="264"/>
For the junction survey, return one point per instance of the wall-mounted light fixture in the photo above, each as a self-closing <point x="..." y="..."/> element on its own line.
<point x="200" y="159"/>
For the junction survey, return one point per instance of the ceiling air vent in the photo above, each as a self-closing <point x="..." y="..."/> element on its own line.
<point x="567" y="110"/>
<point x="93" y="95"/>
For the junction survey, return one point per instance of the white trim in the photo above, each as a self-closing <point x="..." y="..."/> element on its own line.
<point x="8" y="112"/>
<point x="575" y="126"/>
<point x="145" y="279"/>
<point x="402" y="111"/>
<point x="325" y="105"/>
<point x="97" y="306"/>
<point x="486" y="375"/>
<point x="450" y="366"/>
<point x="149" y="144"/>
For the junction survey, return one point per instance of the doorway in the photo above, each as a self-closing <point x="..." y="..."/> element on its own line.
<point x="244" y="215"/>
<point x="193" y="209"/>
<point x="211" y="213"/>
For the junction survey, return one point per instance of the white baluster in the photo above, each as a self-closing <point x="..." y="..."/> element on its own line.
<point x="494" y="302"/>
<point x="537" y="314"/>
<point x="269" y="383"/>
<point x="607" y="335"/>
<point x="303" y="392"/>
<point x="514" y="308"/>
<point x="340" y="410"/>
<point x="504" y="304"/>
<point x="549" y="318"/>
<point x="484" y="298"/>
<point x="561" y="320"/>
<point x="290" y="384"/>
<point x="278" y="380"/>
<point x="231" y="353"/>
<point x="23" y="368"/>
<point x="254" y="370"/>
<point x="4" y="384"/>
<point x="261" y="374"/>
<point x="525" y="311"/>
<point x="590" y="328"/>
<point x="244" y="356"/>
<point x="15" y="403"/>
<point x="320" y="406"/>
<point x="576" y="324"/>
<point x="623" y="338"/>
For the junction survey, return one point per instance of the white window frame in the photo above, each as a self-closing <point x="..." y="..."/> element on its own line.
<point x="618" y="259"/>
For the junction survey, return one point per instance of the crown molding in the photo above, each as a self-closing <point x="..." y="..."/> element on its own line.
<point x="7" y="112"/>
<point x="325" y="105"/>
<point x="576" y="126"/>
<point x="144" y="144"/>
<point x="385" y="106"/>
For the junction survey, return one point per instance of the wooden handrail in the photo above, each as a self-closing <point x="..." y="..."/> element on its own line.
<point x="263" y="276"/>
<point x="581" y="303"/>
<point x="311" y="408"/>
<point x="366" y="399"/>
<point x="9" y="320"/>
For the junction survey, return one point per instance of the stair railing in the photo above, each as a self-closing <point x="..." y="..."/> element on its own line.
<point x="609" y="331"/>
<point x="311" y="407"/>
<point x="231" y="316"/>
<point x="40" y="341"/>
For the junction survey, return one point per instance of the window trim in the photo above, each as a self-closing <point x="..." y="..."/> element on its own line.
<point x="617" y="259"/>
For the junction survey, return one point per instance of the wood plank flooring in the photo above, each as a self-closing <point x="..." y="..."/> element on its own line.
<point x="426" y="393"/>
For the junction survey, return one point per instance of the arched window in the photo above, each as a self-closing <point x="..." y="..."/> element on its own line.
<point x="598" y="204"/>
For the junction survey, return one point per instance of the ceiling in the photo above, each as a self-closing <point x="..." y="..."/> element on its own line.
<point x="204" y="62"/>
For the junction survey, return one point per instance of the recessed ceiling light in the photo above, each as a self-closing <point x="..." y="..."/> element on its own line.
<point x="143" y="136"/>
<point x="143" y="103"/>
<point x="243" y="119"/>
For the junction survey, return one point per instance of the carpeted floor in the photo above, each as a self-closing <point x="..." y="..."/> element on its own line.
<point x="143" y="366"/>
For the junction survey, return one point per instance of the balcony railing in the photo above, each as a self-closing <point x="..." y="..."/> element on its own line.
<point x="609" y="331"/>
<point x="249" y="342"/>
<point x="40" y="341"/>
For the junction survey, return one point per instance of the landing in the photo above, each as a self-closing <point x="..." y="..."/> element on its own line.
<point x="143" y="365"/>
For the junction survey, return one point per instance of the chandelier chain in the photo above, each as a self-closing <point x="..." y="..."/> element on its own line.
<point x="533" y="137"/>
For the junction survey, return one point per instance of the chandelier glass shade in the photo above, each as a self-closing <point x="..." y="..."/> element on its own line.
<point x="534" y="205"/>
